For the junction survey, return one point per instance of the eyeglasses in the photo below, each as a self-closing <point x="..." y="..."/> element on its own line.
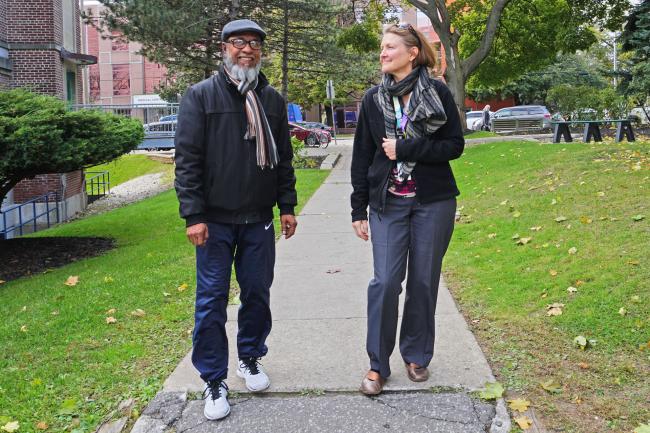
<point x="407" y="26"/>
<point x="255" y="44"/>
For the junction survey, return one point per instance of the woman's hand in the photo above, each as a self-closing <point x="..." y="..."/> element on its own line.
<point x="361" y="229"/>
<point x="390" y="148"/>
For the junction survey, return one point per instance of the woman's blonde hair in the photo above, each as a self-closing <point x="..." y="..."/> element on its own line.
<point x="412" y="37"/>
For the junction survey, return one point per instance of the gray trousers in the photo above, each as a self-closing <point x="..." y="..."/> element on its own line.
<point x="406" y="232"/>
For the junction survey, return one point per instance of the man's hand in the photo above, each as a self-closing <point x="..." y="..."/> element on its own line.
<point x="361" y="229"/>
<point x="288" y="224"/>
<point x="197" y="234"/>
<point x="390" y="148"/>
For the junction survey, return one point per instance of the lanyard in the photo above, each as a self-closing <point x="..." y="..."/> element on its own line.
<point x="398" y="118"/>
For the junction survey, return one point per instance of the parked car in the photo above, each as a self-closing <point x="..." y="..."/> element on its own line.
<point x="158" y="135"/>
<point x="524" y="112"/>
<point x="474" y="119"/>
<point x="168" y="118"/>
<point x="312" y="137"/>
<point x="317" y="125"/>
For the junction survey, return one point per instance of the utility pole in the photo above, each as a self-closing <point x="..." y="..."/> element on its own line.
<point x="329" y="91"/>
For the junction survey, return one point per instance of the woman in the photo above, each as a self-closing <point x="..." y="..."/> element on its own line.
<point x="408" y="131"/>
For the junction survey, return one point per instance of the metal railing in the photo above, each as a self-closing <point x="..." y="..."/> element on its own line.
<point x="8" y="215"/>
<point x="97" y="185"/>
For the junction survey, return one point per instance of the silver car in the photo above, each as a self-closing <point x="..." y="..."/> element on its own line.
<point x="525" y="112"/>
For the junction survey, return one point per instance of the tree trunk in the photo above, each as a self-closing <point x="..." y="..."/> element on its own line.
<point x="285" y="52"/>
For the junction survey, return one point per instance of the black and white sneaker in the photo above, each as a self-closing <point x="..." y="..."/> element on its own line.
<point x="251" y="371"/>
<point x="216" y="400"/>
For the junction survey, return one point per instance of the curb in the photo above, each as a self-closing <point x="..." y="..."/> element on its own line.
<point x="330" y="161"/>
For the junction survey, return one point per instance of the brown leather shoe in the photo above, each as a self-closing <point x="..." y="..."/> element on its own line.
<point x="372" y="383"/>
<point x="417" y="373"/>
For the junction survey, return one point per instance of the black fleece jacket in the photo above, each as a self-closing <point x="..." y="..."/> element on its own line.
<point x="217" y="177"/>
<point x="432" y="153"/>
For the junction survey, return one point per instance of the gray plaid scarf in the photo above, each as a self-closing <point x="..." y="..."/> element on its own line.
<point x="258" y="124"/>
<point x="425" y="110"/>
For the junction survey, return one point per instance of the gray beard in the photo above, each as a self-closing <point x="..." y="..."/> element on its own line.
<point x="245" y="75"/>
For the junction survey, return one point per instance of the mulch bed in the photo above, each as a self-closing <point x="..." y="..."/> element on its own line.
<point x="22" y="257"/>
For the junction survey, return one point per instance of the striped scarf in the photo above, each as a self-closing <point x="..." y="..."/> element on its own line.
<point x="258" y="124"/>
<point x="425" y="111"/>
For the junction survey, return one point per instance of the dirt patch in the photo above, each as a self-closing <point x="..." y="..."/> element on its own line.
<point x="28" y="256"/>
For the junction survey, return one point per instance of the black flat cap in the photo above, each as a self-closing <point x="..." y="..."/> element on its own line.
<point x="241" y="26"/>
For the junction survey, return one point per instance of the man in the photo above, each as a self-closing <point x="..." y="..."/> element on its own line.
<point x="233" y="165"/>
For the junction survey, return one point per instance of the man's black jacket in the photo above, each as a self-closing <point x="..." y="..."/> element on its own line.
<point x="371" y="167"/>
<point x="217" y="177"/>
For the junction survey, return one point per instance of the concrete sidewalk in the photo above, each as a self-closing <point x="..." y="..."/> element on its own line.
<point x="317" y="355"/>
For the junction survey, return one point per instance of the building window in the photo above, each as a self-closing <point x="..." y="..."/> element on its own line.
<point x="121" y="81"/>
<point x="71" y="87"/>
<point x="118" y="43"/>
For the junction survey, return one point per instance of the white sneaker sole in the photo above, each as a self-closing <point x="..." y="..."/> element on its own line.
<point x="241" y="375"/>
<point x="216" y="418"/>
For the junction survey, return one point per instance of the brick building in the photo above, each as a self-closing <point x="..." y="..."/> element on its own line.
<point x="121" y="75"/>
<point x="40" y="49"/>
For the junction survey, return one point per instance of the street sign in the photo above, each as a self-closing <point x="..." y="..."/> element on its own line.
<point x="329" y="89"/>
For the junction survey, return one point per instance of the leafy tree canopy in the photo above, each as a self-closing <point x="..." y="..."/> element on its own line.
<point x="39" y="135"/>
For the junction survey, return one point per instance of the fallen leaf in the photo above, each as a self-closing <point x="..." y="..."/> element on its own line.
<point x="577" y="400"/>
<point x="11" y="426"/>
<point x="573" y="250"/>
<point x="560" y="219"/>
<point x="519" y="404"/>
<point x="544" y="295"/>
<point x="333" y="271"/>
<point x="55" y="313"/>
<point x="523" y="422"/>
<point x="638" y="217"/>
<point x="572" y="290"/>
<point x="553" y="273"/>
<point x="108" y="279"/>
<point x="504" y="202"/>
<point x="622" y="311"/>
<point x="554" y="309"/>
<point x="23" y="328"/>
<point x="536" y="228"/>
<point x="600" y="194"/>
<point x="165" y="294"/>
<point x="492" y="391"/>
<point x="68" y="407"/>
<point x="492" y="235"/>
<point x="635" y="299"/>
<point x="515" y="236"/>
<point x="42" y="426"/>
<point x="138" y="313"/>
<point x="72" y="280"/>
<point x="523" y="241"/>
<point x="585" y="220"/>
<point x="633" y="262"/>
<point x="516" y="214"/>
<point x="182" y="287"/>
<point x="553" y="202"/>
<point x="24" y="308"/>
<point x="579" y="283"/>
<point x="551" y="386"/>
<point x="583" y="365"/>
<point x="111" y="311"/>
<point x="110" y="320"/>
<point x="581" y="342"/>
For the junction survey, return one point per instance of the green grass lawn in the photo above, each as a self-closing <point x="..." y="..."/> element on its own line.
<point x="130" y="166"/>
<point x="481" y="134"/>
<point x="569" y="224"/>
<point x="62" y="363"/>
